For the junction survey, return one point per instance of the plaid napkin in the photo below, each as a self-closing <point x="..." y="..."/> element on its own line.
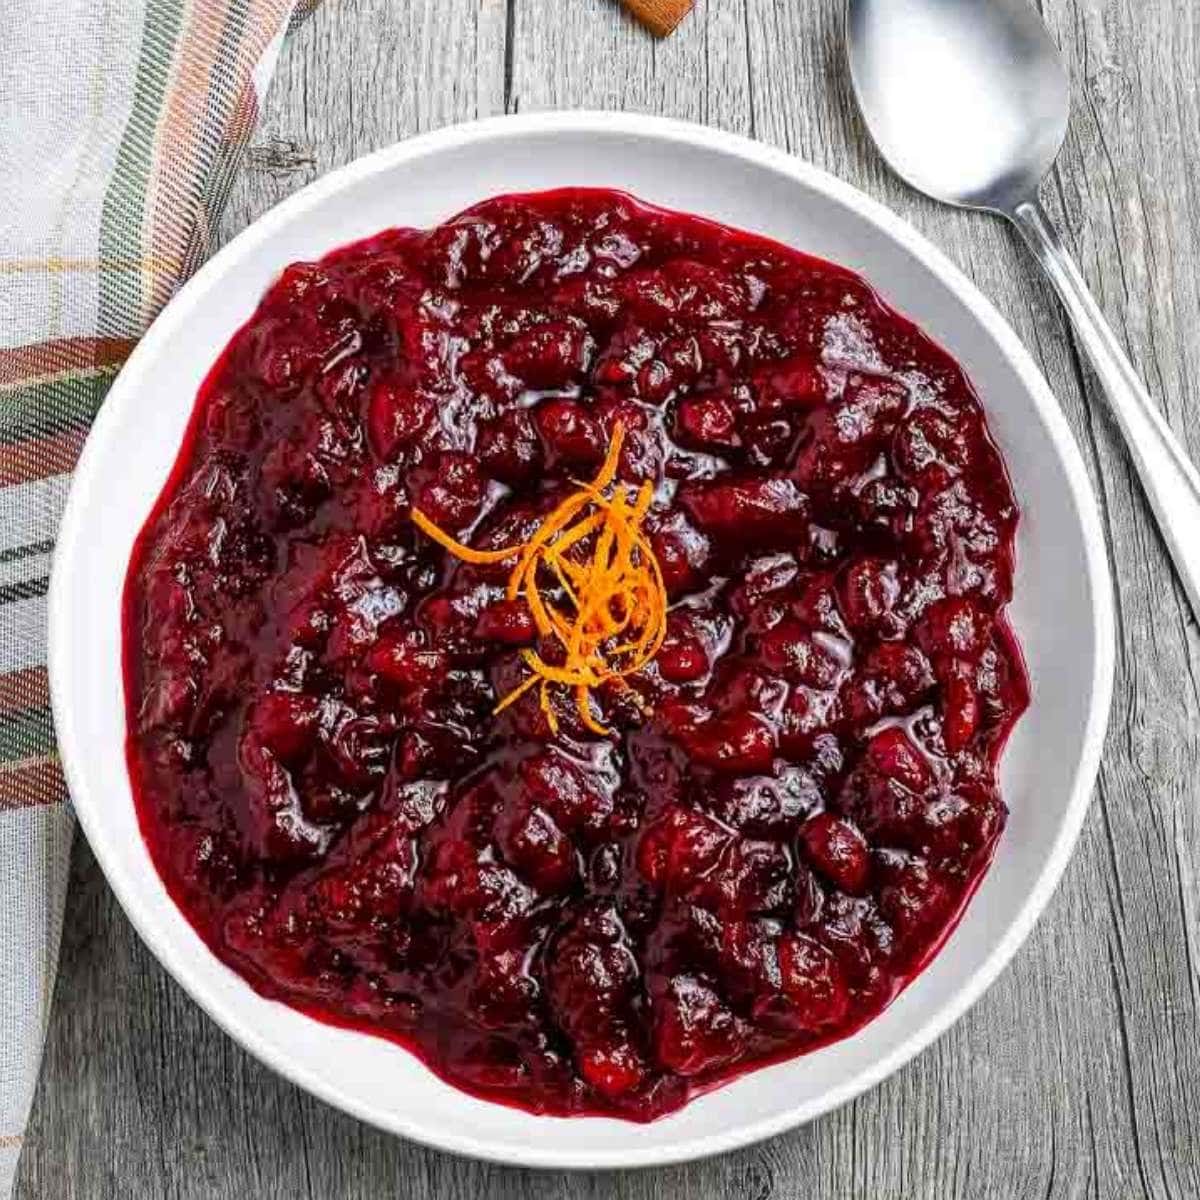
<point x="120" y="128"/>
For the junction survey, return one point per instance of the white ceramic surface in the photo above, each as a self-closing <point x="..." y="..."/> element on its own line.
<point x="1062" y="610"/>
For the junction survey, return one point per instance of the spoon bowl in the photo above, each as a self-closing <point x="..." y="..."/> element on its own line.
<point x="968" y="101"/>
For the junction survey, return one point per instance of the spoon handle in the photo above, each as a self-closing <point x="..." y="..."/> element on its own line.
<point x="1170" y="479"/>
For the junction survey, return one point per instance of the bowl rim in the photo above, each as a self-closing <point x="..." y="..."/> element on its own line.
<point x="88" y="807"/>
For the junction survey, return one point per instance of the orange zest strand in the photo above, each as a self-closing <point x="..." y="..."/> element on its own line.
<point x="589" y="576"/>
<point x="466" y="553"/>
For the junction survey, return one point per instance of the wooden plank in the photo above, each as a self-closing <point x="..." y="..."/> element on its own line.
<point x="1076" y="1076"/>
<point x="361" y="75"/>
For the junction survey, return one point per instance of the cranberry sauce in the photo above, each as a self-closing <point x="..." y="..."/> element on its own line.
<point x="779" y="831"/>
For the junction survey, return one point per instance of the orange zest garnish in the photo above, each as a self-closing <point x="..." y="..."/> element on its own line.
<point x="592" y="584"/>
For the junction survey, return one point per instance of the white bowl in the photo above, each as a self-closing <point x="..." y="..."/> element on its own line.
<point x="1062" y="611"/>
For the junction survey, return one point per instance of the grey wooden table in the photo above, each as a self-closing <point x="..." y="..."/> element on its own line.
<point x="1079" y="1073"/>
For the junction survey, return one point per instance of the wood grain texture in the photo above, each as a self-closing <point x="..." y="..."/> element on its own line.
<point x="1078" y="1074"/>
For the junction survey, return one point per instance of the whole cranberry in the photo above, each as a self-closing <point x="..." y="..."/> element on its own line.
<point x="657" y="381"/>
<point x="397" y="416"/>
<point x="816" y="603"/>
<point x="462" y="879"/>
<point x="900" y="673"/>
<point x="579" y="803"/>
<point x="682" y="658"/>
<point x="405" y="659"/>
<point x="508" y="622"/>
<point x="749" y="961"/>
<point x="960" y="706"/>
<point x="551" y="355"/>
<point x="707" y="422"/>
<point x="642" y="450"/>
<point x="680" y="847"/>
<point x="960" y="823"/>
<point x="591" y="970"/>
<point x="868" y="589"/>
<point x="892" y="754"/>
<point x="954" y="627"/>
<point x="883" y="808"/>
<point x="796" y="655"/>
<point x="613" y="1067"/>
<point x="682" y="551"/>
<point x="502" y="995"/>
<point x="740" y="743"/>
<point x="814" y="994"/>
<point x="913" y="898"/>
<point x="767" y="511"/>
<point x="534" y="845"/>
<point x="694" y="1031"/>
<point x="648" y="297"/>
<point x="570" y="435"/>
<point x="754" y="878"/>
<point x="509" y="448"/>
<point x="706" y="292"/>
<point x="805" y="723"/>
<point x="837" y="850"/>
<point x="451" y="492"/>
<point x="796" y="383"/>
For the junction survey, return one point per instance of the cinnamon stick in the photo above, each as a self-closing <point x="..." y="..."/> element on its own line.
<point x="659" y="16"/>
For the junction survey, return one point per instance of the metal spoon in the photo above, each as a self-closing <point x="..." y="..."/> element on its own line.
<point x="968" y="101"/>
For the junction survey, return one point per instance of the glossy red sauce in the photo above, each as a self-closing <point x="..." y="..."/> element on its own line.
<point x="576" y="924"/>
